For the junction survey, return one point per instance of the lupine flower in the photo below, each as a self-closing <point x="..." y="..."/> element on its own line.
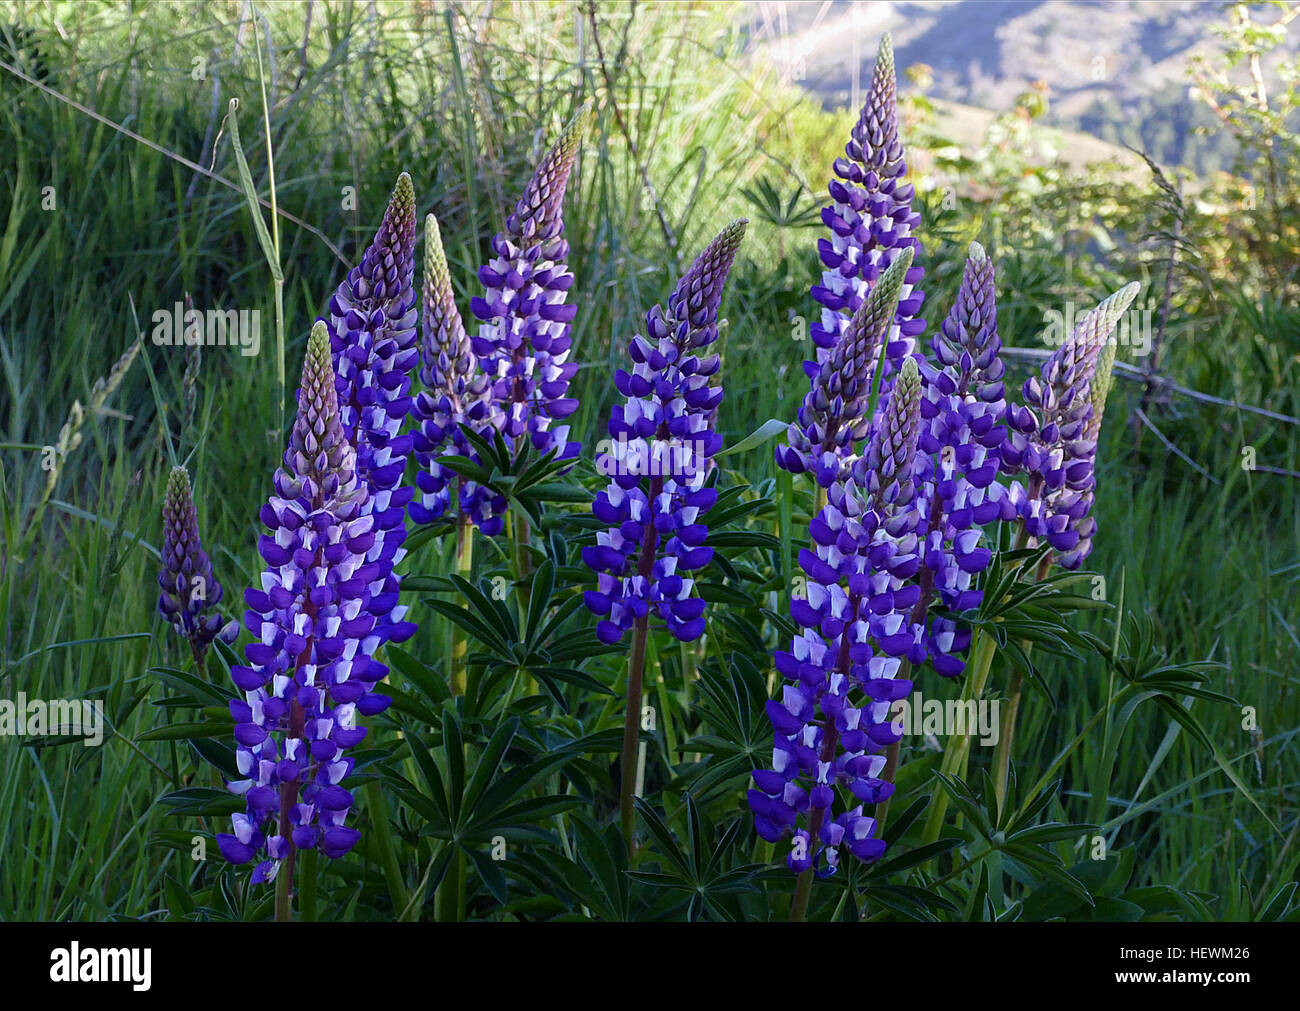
<point x="524" y="341"/>
<point x="662" y="429"/>
<point x="1049" y="437"/>
<point x="373" y="348"/>
<point x="316" y="620"/>
<point x="456" y="392"/>
<point x="189" y="589"/>
<point x="1098" y="390"/>
<point x="842" y="671"/>
<point x="833" y="418"/>
<point x="871" y="222"/>
<point x="962" y="431"/>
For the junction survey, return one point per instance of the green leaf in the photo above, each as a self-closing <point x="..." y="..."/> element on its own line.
<point x="766" y="431"/>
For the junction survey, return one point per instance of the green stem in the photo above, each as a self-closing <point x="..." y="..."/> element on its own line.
<point x="284" y="889"/>
<point x="309" y="886"/>
<point x="523" y="562"/>
<point x="1007" y="730"/>
<point x="631" y="733"/>
<point x="957" y="753"/>
<point x="785" y="522"/>
<point x="802" y="891"/>
<point x="464" y="568"/>
<point x="449" y="901"/>
<point x="387" y="851"/>
<point x="1002" y="756"/>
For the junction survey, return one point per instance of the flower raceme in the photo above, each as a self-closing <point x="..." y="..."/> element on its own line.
<point x="524" y="341"/>
<point x="318" y="618"/>
<point x="456" y="392"/>
<point x="842" y="670"/>
<point x="833" y="417"/>
<point x="188" y="586"/>
<point x="1052" y="441"/>
<point x="870" y="218"/>
<point x="373" y="351"/>
<point x="664" y="428"/>
<point x="963" y="409"/>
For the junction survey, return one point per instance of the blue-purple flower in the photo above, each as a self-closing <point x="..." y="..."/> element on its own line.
<point x="524" y="341"/>
<point x="317" y="619"/>
<point x="845" y="669"/>
<point x="189" y="589"/>
<point x="372" y="330"/>
<point x="963" y="408"/>
<point x="661" y="442"/>
<point x="833" y="417"/>
<point x="1050" y="439"/>
<point x="456" y="392"/>
<point x="871" y="220"/>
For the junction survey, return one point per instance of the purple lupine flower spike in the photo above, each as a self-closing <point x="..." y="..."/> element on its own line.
<point x="833" y="418"/>
<point x="832" y="724"/>
<point x="456" y="392"/>
<point x="373" y="348"/>
<point x="189" y="589"/>
<point x="962" y="434"/>
<point x="662" y="432"/>
<point x="524" y="342"/>
<point x="310" y="671"/>
<point x="1098" y="391"/>
<point x="1048" y="437"/>
<point x="871" y="220"/>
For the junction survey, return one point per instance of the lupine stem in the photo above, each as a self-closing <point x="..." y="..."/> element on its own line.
<point x="1002" y="756"/>
<point x="309" y="886"/>
<point x="785" y="523"/>
<point x="387" y="852"/>
<point x="450" y="898"/>
<point x="284" y="890"/>
<point x="464" y="567"/>
<point x="983" y="649"/>
<point x="1007" y="729"/>
<point x="519" y="547"/>
<point x="631" y="728"/>
<point x="635" y="681"/>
